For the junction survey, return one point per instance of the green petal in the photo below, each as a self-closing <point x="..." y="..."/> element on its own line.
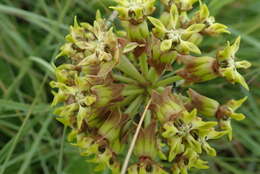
<point x="174" y="16"/>
<point x="189" y="46"/>
<point x="204" y="12"/>
<point x="240" y="79"/>
<point x="243" y="64"/>
<point x="158" y="24"/>
<point x="235" y="104"/>
<point x="166" y="45"/>
<point x="237" y="116"/>
<point x="195" y="28"/>
<point x="130" y="47"/>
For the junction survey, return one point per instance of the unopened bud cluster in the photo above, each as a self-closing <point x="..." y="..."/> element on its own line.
<point x="110" y="75"/>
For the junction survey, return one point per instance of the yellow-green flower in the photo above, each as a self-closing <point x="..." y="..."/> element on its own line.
<point x="173" y="36"/>
<point x="228" y="64"/>
<point x="189" y="131"/>
<point x="212" y="28"/>
<point x="186" y="161"/>
<point x="146" y="166"/>
<point x="211" y="108"/>
<point x="92" y="45"/>
<point x="134" y="11"/>
<point x="227" y="112"/>
<point x="181" y="4"/>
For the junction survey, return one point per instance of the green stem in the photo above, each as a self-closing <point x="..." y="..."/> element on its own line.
<point x="124" y="79"/>
<point x="144" y="65"/>
<point x="127" y="100"/>
<point x="132" y="92"/>
<point x="152" y="75"/>
<point x="134" y="105"/>
<point x="168" y="81"/>
<point x="129" y="69"/>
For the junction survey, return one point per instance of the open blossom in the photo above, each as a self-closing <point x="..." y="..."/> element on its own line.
<point x="228" y="64"/>
<point x="183" y="5"/>
<point x="118" y="89"/>
<point x="134" y="11"/>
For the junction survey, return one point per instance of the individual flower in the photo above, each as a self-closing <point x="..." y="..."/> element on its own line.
<point x="92" y="45"/>
<point x="173" y="36"/>
<point x="187" y="160"/>
<point x="212" y="28"/>
<point x="134" y="11"/>
<point x="189" y="131"/>
<point x="98" y="149"/>
<point x="183" y="5"/>
<point x="84" y="103"/>
<point x="211" y="108"/>
<point x="146" y="166"/>
<point x="161" y="61"/>
<point x="227" y="112"/>
<point x="228" y="65"/>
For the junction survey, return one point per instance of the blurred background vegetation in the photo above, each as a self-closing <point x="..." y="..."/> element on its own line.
<point x="32" y="141"/>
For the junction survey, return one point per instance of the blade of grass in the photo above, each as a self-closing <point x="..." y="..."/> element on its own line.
<point x="59" y="167"/>
<point x="18" y="135"/>
<point x="34" y="146"/>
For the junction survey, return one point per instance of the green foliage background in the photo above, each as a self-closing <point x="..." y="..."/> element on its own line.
<point x="31" y="31"/>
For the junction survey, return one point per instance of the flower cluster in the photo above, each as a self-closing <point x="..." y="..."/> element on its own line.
<point x="110" y="76"/>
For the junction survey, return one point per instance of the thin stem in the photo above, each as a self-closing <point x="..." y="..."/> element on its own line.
<point x="168" y="81"/>
<point x="131" y="108"/>
<point x="144" y="65"/>
<point x="131" y="148"/>
<point x="124" y="79"/>
<point x="152" y="75"/>
<point x="59" y="168"/>
<point x="129" y="69"/>
<point x="132" y="92"/>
